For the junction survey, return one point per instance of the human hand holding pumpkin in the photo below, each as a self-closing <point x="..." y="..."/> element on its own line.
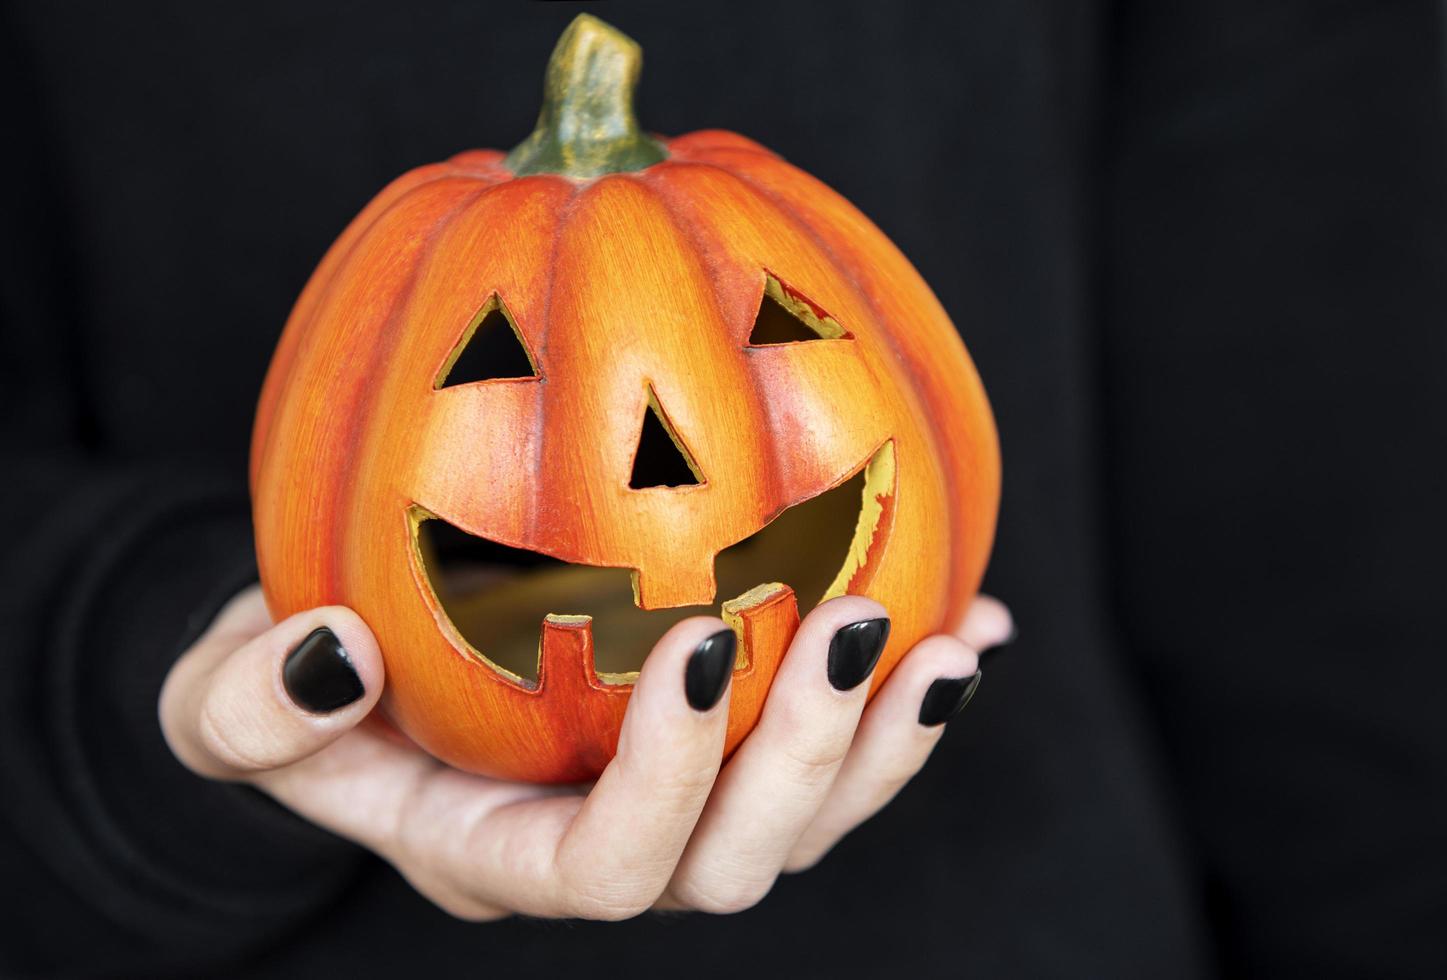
<point x="667" y="825"/>
<point x="749" y="329"/>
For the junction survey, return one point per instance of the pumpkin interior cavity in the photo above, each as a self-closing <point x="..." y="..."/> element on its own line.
<point x="492" y="598"/>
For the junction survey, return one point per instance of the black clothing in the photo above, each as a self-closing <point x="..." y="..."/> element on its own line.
<point x="1199" y="252"/>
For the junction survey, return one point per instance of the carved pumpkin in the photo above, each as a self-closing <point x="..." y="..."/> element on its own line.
<point x="699" y="287"/>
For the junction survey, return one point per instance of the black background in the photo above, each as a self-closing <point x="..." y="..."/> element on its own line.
<point x="1199" y="253"/>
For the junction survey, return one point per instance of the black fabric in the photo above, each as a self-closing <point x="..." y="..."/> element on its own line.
<point x="94" y="794"/>
<point x="1275" y="355"/>
<point x="1198" y="252"/>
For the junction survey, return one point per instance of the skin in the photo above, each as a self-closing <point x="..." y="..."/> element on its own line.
<point x="666" y="826"/>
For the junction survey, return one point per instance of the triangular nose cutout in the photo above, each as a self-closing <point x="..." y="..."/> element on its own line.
<point x="661" y="459"/>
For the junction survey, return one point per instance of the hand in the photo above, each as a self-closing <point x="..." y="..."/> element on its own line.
<point x="663" y="827"/>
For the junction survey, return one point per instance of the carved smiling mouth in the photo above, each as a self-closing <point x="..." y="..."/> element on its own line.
<point x="496" y="597"/>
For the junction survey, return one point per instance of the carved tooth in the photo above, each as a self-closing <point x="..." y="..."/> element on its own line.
<point x="565" y="654"/>
<point x="765" y="618"/>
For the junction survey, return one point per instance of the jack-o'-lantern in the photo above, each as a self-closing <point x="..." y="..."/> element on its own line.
<point x="639" y="375"/>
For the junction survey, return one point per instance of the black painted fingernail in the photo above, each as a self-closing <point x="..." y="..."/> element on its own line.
<point x="319" y="675"/>
<point x="709" y="668"/>
<point x="946" y="698"/>
<point x="854" y="651"/>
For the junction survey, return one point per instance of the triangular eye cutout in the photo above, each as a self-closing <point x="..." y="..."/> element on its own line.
<point x="785" y="317"/>
<point x="491" y="349"/>
<point x="661" y="459"/>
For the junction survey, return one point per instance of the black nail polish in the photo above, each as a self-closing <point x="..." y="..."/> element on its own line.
<point x="709" y="668"/>
<point x="318" y="674"/>
<point x="854" y="651"/>
<point x="946" y="698"/>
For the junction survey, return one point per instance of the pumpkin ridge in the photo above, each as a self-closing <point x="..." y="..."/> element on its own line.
<point x="589" y="237"/>
<point x="657" y="184"/>
<point x="314" y="295"/>
<point x="292" y="408"/>
<point x="421" y="269"/>
<point x="356" y="435"/>
<point x="567" y="209"/>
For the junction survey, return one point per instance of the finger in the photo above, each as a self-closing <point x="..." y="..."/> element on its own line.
<point x="772" y="788"/>
<point x="896" y="735"/>
<point x="610" y="856"/>
<point x="231" y="708"/>
<point x="987" y="624"/>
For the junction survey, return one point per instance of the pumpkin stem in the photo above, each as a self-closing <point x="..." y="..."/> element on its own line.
<point x="587" y="127"/>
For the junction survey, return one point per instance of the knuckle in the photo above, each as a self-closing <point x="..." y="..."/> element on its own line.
<point x="606" y="901"/>
<point x="676" y="788"/>
<point x="724" y="894"/>
<point x="688" y="786"/>
<point x="816" y="759"/>
<point x="678" y="776"/>
<point x="604" y="907"/>
<point x="809" y="743"/>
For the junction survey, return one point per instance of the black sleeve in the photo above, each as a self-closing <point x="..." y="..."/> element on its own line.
<point x="111" y="854"/>
<point x="1277" y="381"/>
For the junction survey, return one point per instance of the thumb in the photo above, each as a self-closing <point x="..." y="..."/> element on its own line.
<point x="247" y="698"/>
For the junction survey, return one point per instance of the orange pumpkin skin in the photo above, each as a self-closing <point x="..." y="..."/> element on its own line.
<point x="616" y="283"/>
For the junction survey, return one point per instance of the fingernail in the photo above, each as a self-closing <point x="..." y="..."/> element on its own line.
<point x="709" y="668"/>
<point x="319" y="675"/>
<point x="946" y="698"/>
<point x="854" y="651"/>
